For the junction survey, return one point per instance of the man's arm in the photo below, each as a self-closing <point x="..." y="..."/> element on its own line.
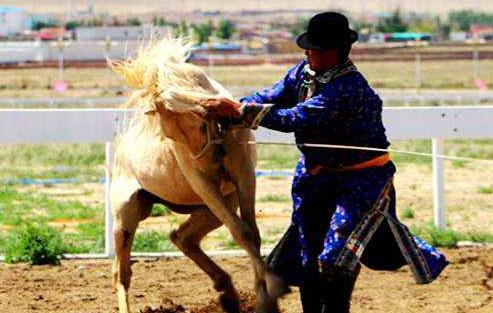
<point x="282" y="92"/>
<point x="314" y="113"/>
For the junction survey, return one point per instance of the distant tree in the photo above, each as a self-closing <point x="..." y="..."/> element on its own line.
<point x="442" y="29"/>
<point x="159" y="21"/>
<point x="116" y="22"/>
<point x="70" y="25"/>
<point x="202" y="32"/>
<point x="37" y="25"/>
<point x="300" y="26"/>
<point x="422" y="25"/>
<point x="225" y="30"/>
<point x="463" y="19"/>
<point x="134" y="21"/>
<point x="181" y="30"/>
<point x="392" y="24"/>
<point x="363" y="26"/>
<point x="94" y="22"/>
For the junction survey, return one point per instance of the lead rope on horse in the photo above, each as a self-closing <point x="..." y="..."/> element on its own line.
<point x="355" y="245"/>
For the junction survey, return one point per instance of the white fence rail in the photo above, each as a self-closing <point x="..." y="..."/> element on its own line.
<point x="422" y="98"/>
<point x="101" y="125"/>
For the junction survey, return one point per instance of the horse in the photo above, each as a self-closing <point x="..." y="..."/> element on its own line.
<point x="171" y="152"/>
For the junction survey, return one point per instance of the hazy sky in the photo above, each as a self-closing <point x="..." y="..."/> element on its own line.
<point x="355" y="6"/>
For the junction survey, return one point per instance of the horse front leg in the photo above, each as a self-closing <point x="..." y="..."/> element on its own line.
<point x="240" y="168"/>
<point x="240" y="165"/>
<point x="209" y="191"/>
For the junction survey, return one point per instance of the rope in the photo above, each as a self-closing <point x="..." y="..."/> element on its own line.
<point x="347" y="147"/>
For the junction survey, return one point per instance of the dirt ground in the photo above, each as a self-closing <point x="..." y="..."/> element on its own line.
<point x="177" y="285"/>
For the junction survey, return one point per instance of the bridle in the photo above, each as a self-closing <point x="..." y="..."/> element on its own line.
<point x="215" y="133"/>
<point x="213" y="137"/>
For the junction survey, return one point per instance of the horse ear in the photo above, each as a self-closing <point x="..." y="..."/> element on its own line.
<point x="181" y="101"/>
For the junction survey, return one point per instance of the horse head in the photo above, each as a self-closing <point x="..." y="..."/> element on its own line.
<point x="171" y="94"/>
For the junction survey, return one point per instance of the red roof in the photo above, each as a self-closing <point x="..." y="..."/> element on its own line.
<point x="51" y="33"/>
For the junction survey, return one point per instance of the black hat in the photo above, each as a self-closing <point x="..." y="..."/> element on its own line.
<point x="327" y="30"/>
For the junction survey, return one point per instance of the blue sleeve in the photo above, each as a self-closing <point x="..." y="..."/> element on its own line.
<point x="282" y="93"/>
<point x="314" y="113"/>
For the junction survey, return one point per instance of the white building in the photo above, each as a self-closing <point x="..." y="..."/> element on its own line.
<point x="120" y="32"/>
<point x="13" y="20"/>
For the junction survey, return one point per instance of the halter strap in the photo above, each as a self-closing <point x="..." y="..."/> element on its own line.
<point x="210" y="141"/>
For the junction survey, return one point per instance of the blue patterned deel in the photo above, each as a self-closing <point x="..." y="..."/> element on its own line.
<point x="339" y="107"/>
<point x="343" y="111"/>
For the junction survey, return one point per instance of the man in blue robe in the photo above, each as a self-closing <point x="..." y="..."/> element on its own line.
<point x="343" y="199"/>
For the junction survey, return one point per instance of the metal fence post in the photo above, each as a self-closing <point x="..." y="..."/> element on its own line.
<point x="108" y="216"/>
<point x="438" y="183"/>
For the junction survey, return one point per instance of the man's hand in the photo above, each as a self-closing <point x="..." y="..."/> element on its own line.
<point x="222" y="107"/>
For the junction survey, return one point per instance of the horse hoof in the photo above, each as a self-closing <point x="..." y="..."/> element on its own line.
<point x="276" y="287"/>
<point x="229" y="305"/>
<point x="270" y="307"/>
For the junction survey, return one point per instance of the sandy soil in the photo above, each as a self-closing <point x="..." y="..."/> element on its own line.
<point x="177" y="285"/>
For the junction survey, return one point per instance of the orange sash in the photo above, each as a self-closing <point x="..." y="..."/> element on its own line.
<point x="376" y="162"/>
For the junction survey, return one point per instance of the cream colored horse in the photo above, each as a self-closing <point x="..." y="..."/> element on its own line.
<point x="172" y="153"/>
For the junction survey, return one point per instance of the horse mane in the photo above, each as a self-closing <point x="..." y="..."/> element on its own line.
<point x="162" y="79"/>
<point x="160" y="70"/>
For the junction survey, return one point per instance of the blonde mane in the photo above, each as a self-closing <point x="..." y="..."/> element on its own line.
<point x="161" y="72"/>
<point x="162" y="79"/>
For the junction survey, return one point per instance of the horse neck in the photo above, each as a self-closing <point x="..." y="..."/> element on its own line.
<point x="188" y="129"/>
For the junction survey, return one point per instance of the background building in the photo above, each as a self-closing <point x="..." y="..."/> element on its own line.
<point x="13" y="20"/>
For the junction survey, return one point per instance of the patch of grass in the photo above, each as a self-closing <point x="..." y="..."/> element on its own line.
<point x="89" y="238"/>
<point x="152" y="241"/>
<point x="2" y="243"/>
<point x="439" y="237"/>
<point x="408" y="213"/>
<point x="448" y="237"/>
<point x="71" y="210"/>
<point x="480" y="236"/>
<point x="18" y="207"/>
<point x="485" y="190"/>
<point x="274" y="198"/>
<point x="160" y="210"/>
<point x="271" y="235"/>
<point x="76" y="154"/>
<point x="268" y="241"/>
<point x="458" y="164"/>
<point x="276" y="177"/>
<point x="14" y="207"/>
<point x="277" y="156"/>
<point x="37" y="245"/>
<point x="479" y="148"/>
<point x="52" y="160"/>
<point x="10" y="174"/>
<point x="423" y="146"/>
<point x="230" y="243"/>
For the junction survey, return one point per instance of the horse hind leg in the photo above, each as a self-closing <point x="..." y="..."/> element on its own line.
<point x="127" y="215"/>
<point x="187" y="238"/>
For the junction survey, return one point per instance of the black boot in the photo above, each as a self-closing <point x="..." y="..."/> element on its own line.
<point x="310" y="296"/>
<point x="310" y="289"/>
<point x="336" y="289"/>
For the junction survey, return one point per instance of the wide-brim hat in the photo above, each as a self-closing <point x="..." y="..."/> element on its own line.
<point x="327" y="30"/>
